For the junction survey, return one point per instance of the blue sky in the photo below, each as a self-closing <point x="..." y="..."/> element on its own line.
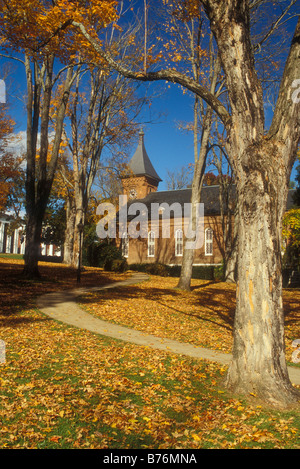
<point x="167" y="146"/>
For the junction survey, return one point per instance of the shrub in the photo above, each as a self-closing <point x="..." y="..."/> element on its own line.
<point x="116" y="265"/>
<point x="203" y="272"/>
<point x="219" y="272"/>
<point x="100" y="253"/>
<point x="157" y="269"/>
<point x="138" y="267"/>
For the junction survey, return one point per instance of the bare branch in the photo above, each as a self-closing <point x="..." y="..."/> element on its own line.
<point x="287" y="109"/>
<point x="167" y="75"/>
<point x="275" y="25"/>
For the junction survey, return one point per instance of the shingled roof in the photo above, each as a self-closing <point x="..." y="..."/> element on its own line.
<point x="140" y="163"/>
<point x="209" y="197"/>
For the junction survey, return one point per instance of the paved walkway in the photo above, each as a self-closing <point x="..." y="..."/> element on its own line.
<point x="62" y="306"/>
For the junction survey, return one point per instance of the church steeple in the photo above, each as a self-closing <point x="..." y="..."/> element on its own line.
<point x="144" y="178"/>
<point x="140" y="163"/>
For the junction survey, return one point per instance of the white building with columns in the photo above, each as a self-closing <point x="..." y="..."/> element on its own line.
<point x="12" y="240"/>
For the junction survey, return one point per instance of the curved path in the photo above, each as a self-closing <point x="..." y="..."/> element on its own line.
<point x="62" y="306"/>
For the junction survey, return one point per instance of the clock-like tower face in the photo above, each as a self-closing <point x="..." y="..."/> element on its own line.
<point x="132" y="193"/>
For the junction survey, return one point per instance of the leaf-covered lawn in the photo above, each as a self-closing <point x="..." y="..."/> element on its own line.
<point x="202" y="317"/>
<point x="61" y="387"/>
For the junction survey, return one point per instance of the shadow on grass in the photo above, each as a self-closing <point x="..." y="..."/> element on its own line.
<point x="18" y="293"/>
<point x="206" y="304"/>
<point x="14" y="322"/>
<point x="212" y="302"/>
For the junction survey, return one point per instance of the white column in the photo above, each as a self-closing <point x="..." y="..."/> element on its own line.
<point x="8" y="244"/>
<point x="1" y="235"/>
<point x="16" y="241"/>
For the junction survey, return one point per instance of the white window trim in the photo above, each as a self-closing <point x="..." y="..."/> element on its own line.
<point x="178" y="242"/>
<point x="125" y="245"/>
<point x="209" y="242"/>
<point x="151" y="243"/>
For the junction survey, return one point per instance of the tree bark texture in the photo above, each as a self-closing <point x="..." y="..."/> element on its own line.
<point x="200" y="165"/>
<point x="262" y="165"/>
<point x="69" y="232"/>
<point x="40" y="171"/>
<point x="259" y="364"/>
<point x="262" y="162"/>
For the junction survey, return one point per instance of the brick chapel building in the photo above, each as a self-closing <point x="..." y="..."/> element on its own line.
<point x="142" y="186"/>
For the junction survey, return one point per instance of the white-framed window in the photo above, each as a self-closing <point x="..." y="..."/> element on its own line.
<point x="151" y="244"/>
<point x="125" y="245"/>
<point x="209" y="236"/>
<point x="178" y="243"/>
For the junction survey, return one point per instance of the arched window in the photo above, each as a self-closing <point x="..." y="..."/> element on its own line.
<point x="151" y="244"/>
<point x="125" y="245"/>
<point x="209" y="236"/>
<point x="178" y="243"/>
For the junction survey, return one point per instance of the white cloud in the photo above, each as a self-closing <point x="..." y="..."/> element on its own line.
<point x="16" y="143"/>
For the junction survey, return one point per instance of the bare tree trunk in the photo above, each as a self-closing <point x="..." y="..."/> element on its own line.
<point x="259" y="364"/>
<point x="40" y="173"/>
<point x="186" y="271"/>
<point x="78" y="230"/>
<point x="33" y="244"/>
<point x="262" y="164"/>
<point x="200" y="164"/>
<point x="69" y="232"/>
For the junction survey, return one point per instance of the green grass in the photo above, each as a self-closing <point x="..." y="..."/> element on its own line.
<point x="66" y="388"/>
<point x="12" y="256"/>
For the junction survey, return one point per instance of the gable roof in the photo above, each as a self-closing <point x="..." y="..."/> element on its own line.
<point x="209" y="197"/>
<point x="140" y="163"/>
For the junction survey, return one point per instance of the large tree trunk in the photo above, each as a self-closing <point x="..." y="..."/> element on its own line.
<point x="262" y="164"/>
<point x="259" y="364"/>
<point x="35" y="216"/>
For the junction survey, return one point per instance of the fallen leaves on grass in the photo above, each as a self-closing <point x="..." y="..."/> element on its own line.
<point x="61" y="387"/>
<point x="203" y="317"/>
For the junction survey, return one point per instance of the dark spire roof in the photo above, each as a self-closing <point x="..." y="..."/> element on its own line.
<point x="140" y="163"/>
